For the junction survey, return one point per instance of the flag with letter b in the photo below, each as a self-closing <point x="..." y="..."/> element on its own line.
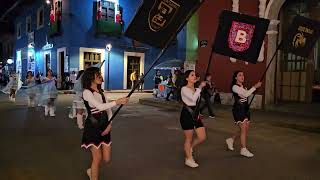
<point x="240" y="36"/>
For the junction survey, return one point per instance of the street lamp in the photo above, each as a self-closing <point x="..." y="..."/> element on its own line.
<point x="9" y="61"/>
<point x="108" y="47"/>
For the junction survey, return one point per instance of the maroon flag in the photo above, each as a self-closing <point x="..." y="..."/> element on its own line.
<point x="240" y="36"/>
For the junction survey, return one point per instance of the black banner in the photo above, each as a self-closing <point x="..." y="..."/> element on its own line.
<point x="158" y="20"/>
<point x="240" y="36"/>
<point x="302" y="36"/>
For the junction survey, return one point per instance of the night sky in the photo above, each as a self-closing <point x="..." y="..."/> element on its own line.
<point x="5" y="5"/>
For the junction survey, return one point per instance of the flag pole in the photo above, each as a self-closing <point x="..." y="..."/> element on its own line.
<point x="207" y="70"/>
<point x="268" y="66"/>
<point x="210" y="58"/>
<point x="158" y="57"/>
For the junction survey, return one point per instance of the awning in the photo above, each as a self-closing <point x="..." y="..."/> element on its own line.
<point x="170" y="64"/>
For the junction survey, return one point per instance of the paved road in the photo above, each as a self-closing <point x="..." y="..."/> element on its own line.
<point x="147" y="144"/>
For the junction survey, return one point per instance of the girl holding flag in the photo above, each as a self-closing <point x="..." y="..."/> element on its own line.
<point x="190" y="120"/>
<point x="96" y="134"/>
<point x="241" y="112"/>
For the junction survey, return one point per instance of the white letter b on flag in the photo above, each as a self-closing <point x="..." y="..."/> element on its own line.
<point x="241" y="37"/>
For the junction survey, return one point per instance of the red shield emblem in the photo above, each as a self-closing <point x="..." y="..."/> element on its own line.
<point x="240" y="36"/>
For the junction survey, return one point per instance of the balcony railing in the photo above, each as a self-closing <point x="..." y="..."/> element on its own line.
<point x="55" y="28"/>
<point x="108" y="27"/>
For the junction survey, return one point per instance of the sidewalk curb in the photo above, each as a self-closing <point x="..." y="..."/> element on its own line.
<point x="176" y="106"/>
<point x="171" y="105"/>
<point x="297" y="113"/>
<point x="300" y="126"/>
<point x="112" y="91"/>
<point x="66" y="92"/>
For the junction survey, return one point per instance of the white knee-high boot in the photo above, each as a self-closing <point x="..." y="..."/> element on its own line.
<point x="32" y="102"/>
<point x="80" y="121"/>
<point x="74" y="112"/>
<point x="46" y="110"/>
<point x="71" y="113"/>
<point x="51" y="110"/>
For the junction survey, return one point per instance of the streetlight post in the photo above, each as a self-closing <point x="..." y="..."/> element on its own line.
<point x="108" y="47"/>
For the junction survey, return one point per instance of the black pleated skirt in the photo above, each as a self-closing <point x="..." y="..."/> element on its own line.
<point x="240" y="113"/>
<point x="186" y="120"/>
<point x="92" y="133"/>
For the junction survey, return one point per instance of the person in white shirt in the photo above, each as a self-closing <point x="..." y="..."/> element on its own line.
<point x="78" y="109"/>
<point x="241" y="112"/>
<point x="97" y="127"/>
<point x="73" y="79"/>
<point x="190" y="120"/>
<point x="32" y="90"/>
<point x="12" y="87"/>
<point x="49" y="94"/>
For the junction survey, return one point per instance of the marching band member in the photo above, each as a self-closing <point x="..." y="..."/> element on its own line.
<point x="49" y="93"/>
<point x="78" y="109"/>
<point x="190" y="120"/>
<point x="241" y="112"/>
<point x="96" y="133"/>
<point x="31" y="91"/>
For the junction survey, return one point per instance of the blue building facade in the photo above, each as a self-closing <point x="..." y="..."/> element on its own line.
<point x="70" y="35"/>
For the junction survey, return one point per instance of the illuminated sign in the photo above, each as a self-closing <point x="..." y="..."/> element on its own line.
<point x="47" y="46"/>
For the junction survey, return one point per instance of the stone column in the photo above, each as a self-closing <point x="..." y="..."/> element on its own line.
<point x="272" y="12"/>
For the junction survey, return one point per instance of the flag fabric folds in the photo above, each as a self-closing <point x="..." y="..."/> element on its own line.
<point x="302" y="36"/>
<point x="240" y="36"/>
<point x="157" y="21"/>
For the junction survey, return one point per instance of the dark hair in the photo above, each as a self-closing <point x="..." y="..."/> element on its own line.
<point x="234" y="81"/>
<point x="48" y="71"/>
<point x="186" y="75"/>
<point x="207" y="75"/>
<point x="177" y="72"/>
<point x="79" y="74"/>
<point x="28" y="73"/>
<point x="88" y="77"/>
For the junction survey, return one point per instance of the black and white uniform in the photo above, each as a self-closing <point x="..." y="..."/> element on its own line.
<point x="99" y="113"/>
<point x="240" y="108"/>
<point x="189" y="98"/>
